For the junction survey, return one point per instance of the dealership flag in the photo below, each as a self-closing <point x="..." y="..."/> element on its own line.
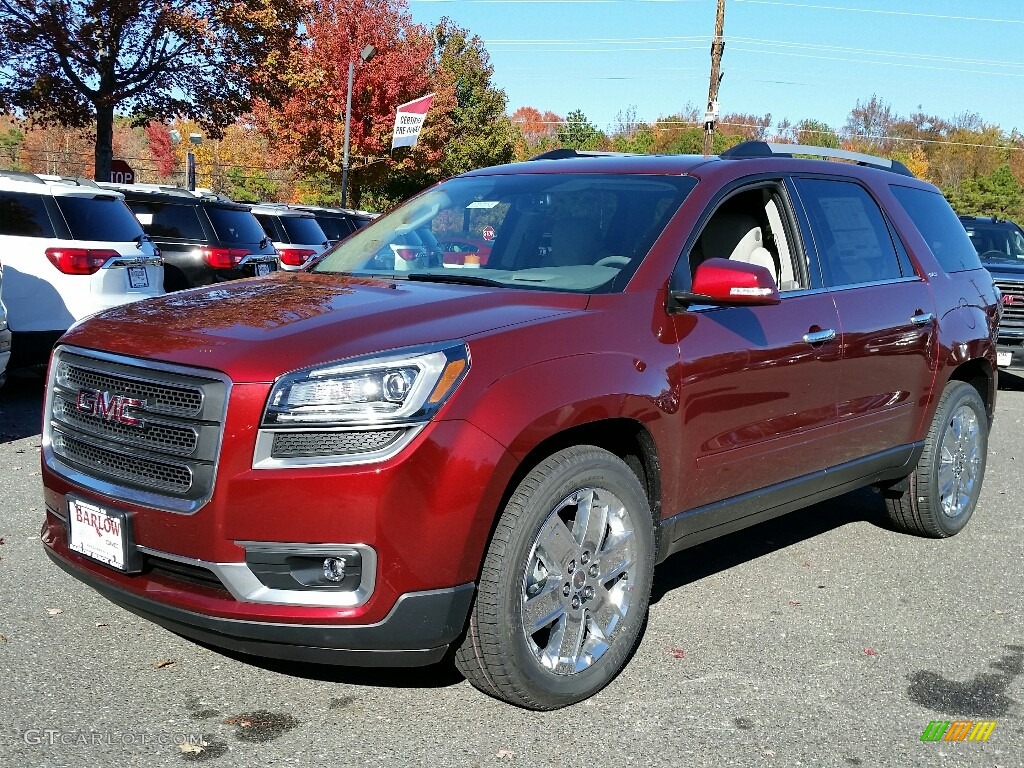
<point x="409" y="121"/>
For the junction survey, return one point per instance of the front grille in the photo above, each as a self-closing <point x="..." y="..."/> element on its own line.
<point x="154" y="474"/>
<point x="163" y="398"/>
<point x="150" y="428"/>
<point x="1012" y="321"/>
<point x="297" y="444"/>
<point x="171" y="438"/>
<point x="173" y="569"/>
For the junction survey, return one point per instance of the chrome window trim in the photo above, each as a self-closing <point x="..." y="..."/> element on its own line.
<point x="263" y="457"/>
<point x="243" y="585"/>
<point x="117" y="492"/>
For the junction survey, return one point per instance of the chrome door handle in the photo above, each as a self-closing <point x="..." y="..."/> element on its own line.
<point x="924" y="318"/>
<point x="819" y="337"/>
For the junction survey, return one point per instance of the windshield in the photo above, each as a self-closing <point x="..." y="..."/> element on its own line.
<point x="585" y="233"/>
<point x="1001" y="241"/>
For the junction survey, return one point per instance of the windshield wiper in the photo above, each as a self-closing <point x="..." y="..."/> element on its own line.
<point x="460" y="279"/>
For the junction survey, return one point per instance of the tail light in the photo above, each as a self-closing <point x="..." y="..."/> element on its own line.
<point x="79" y="261"/>
<point x="296" y="257"/>
<point x="409" y="254"/>
<point x="223" y="258"/>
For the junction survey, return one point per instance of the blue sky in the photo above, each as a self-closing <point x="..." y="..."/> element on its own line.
<point x="793" y="59"/>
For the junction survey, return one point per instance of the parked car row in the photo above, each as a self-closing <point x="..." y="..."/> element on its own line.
<point x="71" y="247"/>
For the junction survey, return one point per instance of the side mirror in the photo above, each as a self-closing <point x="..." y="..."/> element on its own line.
<point x="728" y="282"/>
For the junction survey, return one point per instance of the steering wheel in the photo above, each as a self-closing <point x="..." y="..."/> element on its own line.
<point x="996" y="255"/>
<point x="613" y="261"/>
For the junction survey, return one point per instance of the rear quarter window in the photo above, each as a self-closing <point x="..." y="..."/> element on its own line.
<point x="24" y="215"/>
<point x="235" y="225"/>
<point x="99" y="218"/>
<point x="940" y="228"/>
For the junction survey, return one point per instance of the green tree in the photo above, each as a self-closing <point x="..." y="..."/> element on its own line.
<point x="997" y="194"/>
<point x="249" y="186"/>
<point x="76" y="62"/>
<point x="579" y="133"/>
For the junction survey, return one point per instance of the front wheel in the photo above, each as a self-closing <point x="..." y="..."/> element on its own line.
<point x="565" y="585"/>
<point x="944" y="488"/>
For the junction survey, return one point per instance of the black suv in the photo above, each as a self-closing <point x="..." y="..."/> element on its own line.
<point x="337" y="223"/>
<point x="1000" y="244"/>
<point x="204" y="240"/>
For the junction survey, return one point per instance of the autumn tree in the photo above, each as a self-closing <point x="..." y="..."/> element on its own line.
<point x="78" y="62"/>
<point x="12" y="134"/>
<point x="161" y="149"/>
<point x="308" y="129"/>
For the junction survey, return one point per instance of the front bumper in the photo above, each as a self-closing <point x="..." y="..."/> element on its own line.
<point x="1010" y="355"/>
<point x="417" y="631"/>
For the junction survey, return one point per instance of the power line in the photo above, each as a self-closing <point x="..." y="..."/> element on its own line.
<point x="917" y="14"/>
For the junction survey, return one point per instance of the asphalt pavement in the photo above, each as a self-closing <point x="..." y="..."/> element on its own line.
<point x="823" y="638"/>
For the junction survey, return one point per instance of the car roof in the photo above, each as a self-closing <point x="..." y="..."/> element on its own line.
<point x="48" y="184"/>
<point x="278" y="209"/>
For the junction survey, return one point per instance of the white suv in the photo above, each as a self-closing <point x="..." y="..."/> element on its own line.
<point x="70" y="249"/>
<point x="5" y="332"/>
<point x="297" y="235"/>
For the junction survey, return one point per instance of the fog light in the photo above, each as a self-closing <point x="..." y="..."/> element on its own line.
<point x="334" y="568"/>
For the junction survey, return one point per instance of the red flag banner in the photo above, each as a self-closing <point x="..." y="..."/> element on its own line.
<point x="409" y="121"/>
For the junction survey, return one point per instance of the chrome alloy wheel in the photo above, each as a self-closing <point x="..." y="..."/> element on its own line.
<point x="578" y="584"/>
<point x="959" y="461"/>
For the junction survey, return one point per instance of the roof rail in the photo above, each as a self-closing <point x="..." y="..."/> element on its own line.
<point x="22" y="176"/>
<point x="776" y="149"/>
<point x="562" y="154"/>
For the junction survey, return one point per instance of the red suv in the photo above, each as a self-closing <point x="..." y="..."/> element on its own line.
<point x="366" y="464"/>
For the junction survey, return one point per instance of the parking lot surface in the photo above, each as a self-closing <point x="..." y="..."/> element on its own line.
<point x="820" y="639"/>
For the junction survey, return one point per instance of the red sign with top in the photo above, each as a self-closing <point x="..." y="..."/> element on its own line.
<point x="488" y="233"/>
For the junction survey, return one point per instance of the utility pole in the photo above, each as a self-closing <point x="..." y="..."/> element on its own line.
<point x="717" y="46"/>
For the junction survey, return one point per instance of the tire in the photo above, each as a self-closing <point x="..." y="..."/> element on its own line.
<point x="565" y="584"/>
<point x="944" y="487"/>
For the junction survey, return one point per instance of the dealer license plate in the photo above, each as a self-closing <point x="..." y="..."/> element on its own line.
<point x="262" y="269"/>
<point x="98" y="533"/>
<point x="1003" y="359"/>
<point x="138" y="277"/>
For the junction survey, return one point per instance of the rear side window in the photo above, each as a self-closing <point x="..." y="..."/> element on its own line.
<point x="98" y="218"/>
<point x="335" y="228"/>
<point x="162" y="220"/>
<point x="850" y="233"/>
<point x="24" y="215"/>
<point x="939" y="227"/>
<point x="271" y="227"/>
<point x="302" y="230"/>
<point x="235" y="225"/>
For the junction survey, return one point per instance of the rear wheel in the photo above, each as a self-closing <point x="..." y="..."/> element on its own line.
<point x="944" y="488"/>
<point x="565" y="584"/>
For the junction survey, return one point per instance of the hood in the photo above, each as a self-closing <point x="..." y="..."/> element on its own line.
<point x="1011" y="270"/>
<point x="255" y="330"/>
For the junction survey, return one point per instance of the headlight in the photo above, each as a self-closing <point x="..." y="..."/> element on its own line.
<point x="406" y="386"/>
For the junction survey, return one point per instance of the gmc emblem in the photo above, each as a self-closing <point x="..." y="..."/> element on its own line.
<point x="1012" y="300"/>
<point x="109" y="407"/>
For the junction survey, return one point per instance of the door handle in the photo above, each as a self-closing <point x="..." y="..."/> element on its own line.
<point x="922" y="318"/>
<point x="819" y="337"/>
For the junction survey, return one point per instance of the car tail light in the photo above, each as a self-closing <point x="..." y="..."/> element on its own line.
<point x="79" y="261"/>
<point x="409" y="254"/>
<point x="296" y="257"/>
<point x="223" y="258"/>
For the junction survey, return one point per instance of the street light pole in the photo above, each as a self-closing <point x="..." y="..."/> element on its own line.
<point x="366" y="54"/>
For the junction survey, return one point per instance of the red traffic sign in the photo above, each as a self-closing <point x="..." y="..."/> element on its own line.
<point x="121" y="172"/>
<point x="488" y="232"/>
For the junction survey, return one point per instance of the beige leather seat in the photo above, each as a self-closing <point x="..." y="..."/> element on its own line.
<point x="737" y="236"/>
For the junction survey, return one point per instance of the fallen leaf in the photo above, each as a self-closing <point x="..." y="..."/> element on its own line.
<point x="997" y="612"/>
<point x="503" y="753"/>
<point x="870" y="652"/>
<point x="164" y="664"/>
<point x="3" y="639"/>
<point x="102" y="624"/>
<point x="55" y="611"/>
<point x="193" y="749"/>
<point x="677" y="653"/>
<point x="768" y="752"/>
<point x="806" y="564"/>
<point x="794" y="602"/>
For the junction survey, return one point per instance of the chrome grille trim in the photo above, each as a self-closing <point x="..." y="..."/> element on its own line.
<point x="1012" y="321"/>
<point x="168" y="461"/>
